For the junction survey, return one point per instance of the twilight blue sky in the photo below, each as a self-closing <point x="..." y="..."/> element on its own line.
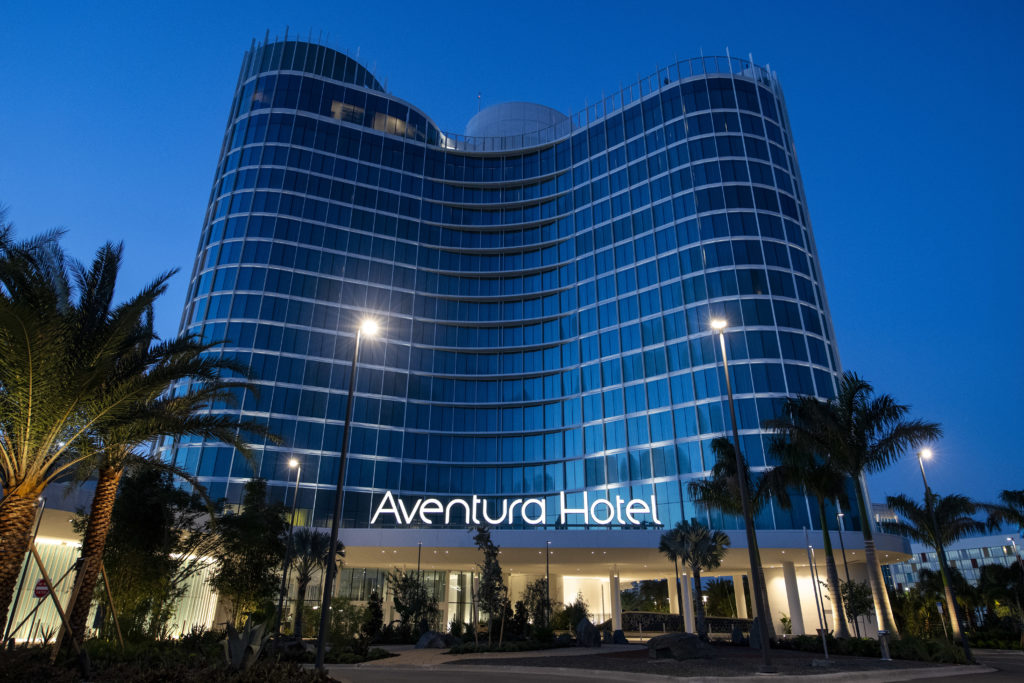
<point x="906" y="117"/>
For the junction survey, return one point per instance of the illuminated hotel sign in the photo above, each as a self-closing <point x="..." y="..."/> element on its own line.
<point x="530" y="511"/>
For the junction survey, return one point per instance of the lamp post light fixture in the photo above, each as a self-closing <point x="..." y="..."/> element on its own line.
<point x="842" y="548"/>
<point x="719" y="325"/>
<point x="547" y="583"/>
<point x="954" y="608"/>
<point x="368" y="328"/>
<point x="1013" y="543"/>
<point x="292" y="464"/>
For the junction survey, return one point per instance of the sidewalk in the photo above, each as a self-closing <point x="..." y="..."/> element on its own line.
<point x="409" y="656"/>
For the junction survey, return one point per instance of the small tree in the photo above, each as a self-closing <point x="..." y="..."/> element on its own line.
<point x="568" y="616"/>
<point x="158" y="538"/>
<point x="310" y="550"/>
<point x="253" y="545"/>
<point x="415" y="605"/>
<point x="857" y="599"/>
<point x="493" y="593"/>
<point x="373" y="617"/>
<point x="537" y="604"/>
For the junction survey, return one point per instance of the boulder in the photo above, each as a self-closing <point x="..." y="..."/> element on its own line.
<point x="587" y="634"/>
<point x="619" y="638"/>
<point x="678" y="646"/>
<point x="737" y="635"/>
<point x="431" y="639"/>
<point x="287" y="647"/>
<point x="606" y="637"/>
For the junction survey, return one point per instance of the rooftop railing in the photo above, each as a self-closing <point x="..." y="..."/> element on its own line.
<point x="629" y="94"/>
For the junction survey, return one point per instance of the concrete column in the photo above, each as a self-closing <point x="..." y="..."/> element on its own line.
<point x="673" y="593"/>
<point x="793" y="596"/>
<point x="691" y="625"/>
<point x="615" y="596"/>
<point x="556" y="589"/>
<point x="741" y="596"/>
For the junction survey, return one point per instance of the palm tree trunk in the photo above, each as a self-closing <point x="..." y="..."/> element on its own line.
<point x="832" y="574"/>
<point x="952" y="608"/>
<point x="701" y="625"/>
<point x="300" y="602"/>
<point x="679" y="596"/>
<point x="16" y="515"/>
<point x="764" y="591"/>
<point x="92" y="547"/>
<point x="880" y="596"/>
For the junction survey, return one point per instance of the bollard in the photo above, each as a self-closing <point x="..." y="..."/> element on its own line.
<point x="883" y="643"/>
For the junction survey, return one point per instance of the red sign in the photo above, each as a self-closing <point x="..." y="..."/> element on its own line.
<point x="41" y="590"/>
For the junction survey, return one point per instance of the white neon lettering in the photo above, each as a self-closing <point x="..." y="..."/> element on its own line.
<point x="448" y="510"/>
<point x="431" y="506"/>
<point x="532" y="511"/>
<point x="636" y="506"/>
<point x="593" y="511"/>
<point x="501" y="517"/>
<point x="541" y="508"/>
<point x="566" y="510"/>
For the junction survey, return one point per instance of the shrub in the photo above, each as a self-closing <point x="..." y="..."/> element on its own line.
<point x="567" y="617"/>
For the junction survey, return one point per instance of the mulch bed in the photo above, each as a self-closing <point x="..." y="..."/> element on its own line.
<point x="729" y="660"/>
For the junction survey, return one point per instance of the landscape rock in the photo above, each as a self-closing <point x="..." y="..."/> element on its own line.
<point x="431" y="639"/>
<point x="737" y="635"/>
<point x="619" y="638"/>
<point x="680" y="646"/>
<point x="587" y="634"/>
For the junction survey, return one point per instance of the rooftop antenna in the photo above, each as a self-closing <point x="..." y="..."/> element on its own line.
<point x="266" y="37"/>
<point x="286" y="32"/>
<point x="478" y="103"/>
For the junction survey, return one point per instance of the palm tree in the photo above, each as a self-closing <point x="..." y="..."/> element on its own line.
<point x="56" y="358"/>
<point x="309" y="554"/>
<point x="939" y="522"/>
<point x="156" y="412"/>
<point x="721" y="491"/>
<point x="1009" y="510"/>
<point x="817" y="474"/>
<point x="700" y="549"/>
<point x="862" y="433"/>
<point x="667" y="545"/>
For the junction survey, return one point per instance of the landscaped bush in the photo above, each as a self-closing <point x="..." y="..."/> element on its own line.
<point x="907" y="647"/>
<point x="157" y="663"/>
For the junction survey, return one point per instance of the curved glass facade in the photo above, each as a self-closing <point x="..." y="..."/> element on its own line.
<point x="544" y="299"/>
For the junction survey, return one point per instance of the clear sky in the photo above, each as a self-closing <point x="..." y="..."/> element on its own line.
<point x="906" y="117"/>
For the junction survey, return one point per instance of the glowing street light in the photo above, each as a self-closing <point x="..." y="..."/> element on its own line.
<point x="719" y="325"/>
<point x="292" y="464"/>
<point x="954" y="608"/>
<point x="368" y="328"/>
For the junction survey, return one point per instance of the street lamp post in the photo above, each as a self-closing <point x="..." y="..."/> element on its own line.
<point x="292" y="464"/>
<point x="757" y="577"/>
<point x="547" y="583"/>
<point x="846" y="567"/>
<point x="1017" y="554"/>
<point x="954" y="608"/>
<point x="368" y="328"/>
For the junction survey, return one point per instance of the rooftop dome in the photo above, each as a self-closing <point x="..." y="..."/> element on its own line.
<point x="513" y="118"/>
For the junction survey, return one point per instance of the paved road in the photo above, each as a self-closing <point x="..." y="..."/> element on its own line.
<point x="1010" y="665"/>
<point x="470" y="674"/>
